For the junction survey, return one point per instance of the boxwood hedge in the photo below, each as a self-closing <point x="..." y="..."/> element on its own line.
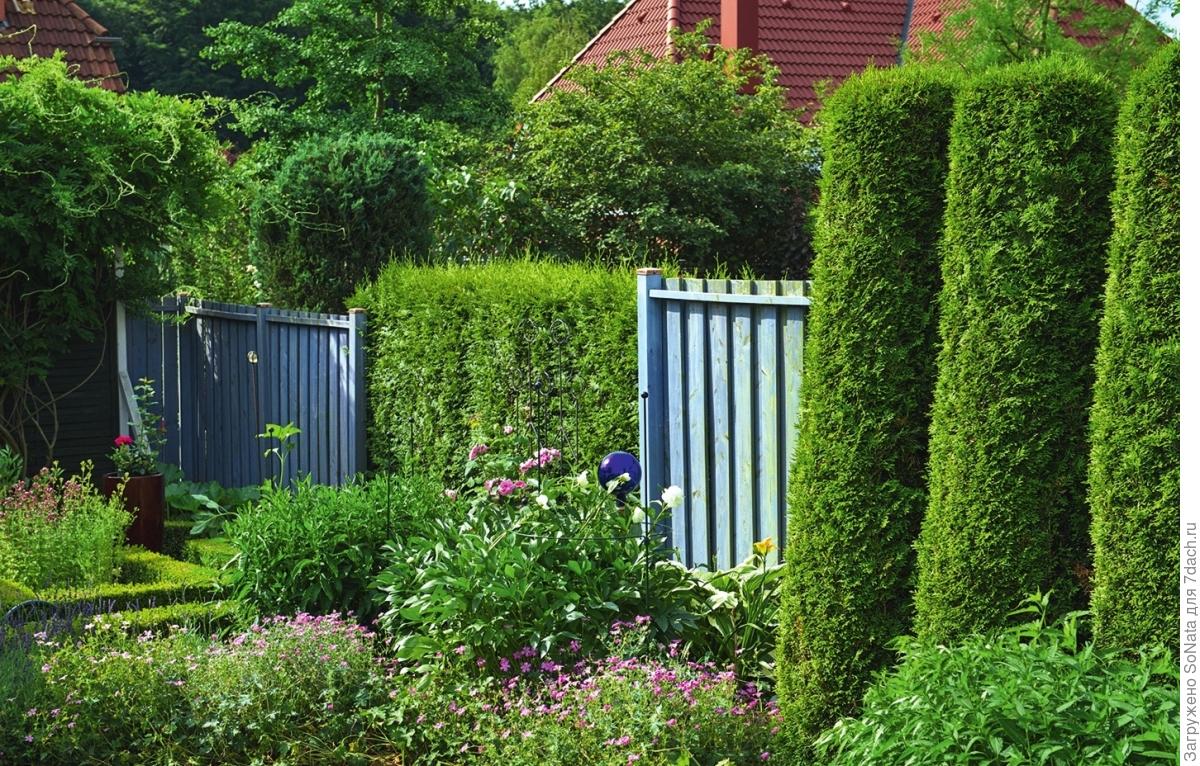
<point x="1026" y="230"/>
<point x="858" y="477"/>
<point x="453" y="347"/>
<point x="1134" y="471"/>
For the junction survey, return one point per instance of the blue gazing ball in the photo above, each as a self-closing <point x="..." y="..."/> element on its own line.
<point x="616" y="463"/>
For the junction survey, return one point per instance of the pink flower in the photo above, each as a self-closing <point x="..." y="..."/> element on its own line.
<point x="764" y="756"/>
<point x="460" y="650"/>
<point x="526" y="667"/>
<point x="123" y="440"/>
<point x="451" y="493"/>
<point x="476" y="451"/>
<point x="505" y="664"/>
<point x="506" y="487"/>
<point x="508" y="430"/>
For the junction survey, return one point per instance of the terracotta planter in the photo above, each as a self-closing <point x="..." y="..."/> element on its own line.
<point x="144" y="499"/>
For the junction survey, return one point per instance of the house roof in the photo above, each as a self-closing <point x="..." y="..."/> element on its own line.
<point x="41" y="27"/>
<point x="811" y="41"/>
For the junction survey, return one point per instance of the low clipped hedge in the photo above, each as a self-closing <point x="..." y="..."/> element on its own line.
<point x="1026" y="230"/>
<point x="176" y="533"/>
<point x="204" y="617"/>
<point x="858" y="476"/>
<point x="1134" y="471"/>
<point x="454" y="346"/>
<point x="146" y="579"/>
<point x="214" y="553"/>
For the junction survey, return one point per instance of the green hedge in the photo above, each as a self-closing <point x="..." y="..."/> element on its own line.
<point x="146" y="579"/>
<point x="1027" y="223"/>
<point x="451" y="346"/>
<point x="175" y="535"/>
<point x="858" y="477"/>
<point x="1134" y="471"/>
<point x="213" y="552"/>
<point x="202" y="617"/>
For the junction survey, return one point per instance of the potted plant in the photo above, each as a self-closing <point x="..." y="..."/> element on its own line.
<point x="138" y="477"/>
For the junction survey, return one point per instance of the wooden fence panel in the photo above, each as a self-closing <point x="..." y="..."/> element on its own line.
<point x="720" y="366"/>
<point x="224" y="371"/>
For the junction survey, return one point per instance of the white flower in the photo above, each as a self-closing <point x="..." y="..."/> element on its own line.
<point x="542" y="500"/>
<point x="672" y="497"/>
<point x="638" y="516"/>
<point x="251" y="268"/>
<point x="581" y="479"/>
<point x="623" y="478"/>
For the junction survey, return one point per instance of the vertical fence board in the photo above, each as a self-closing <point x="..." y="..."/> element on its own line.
<point x="743" y="422"/>
<point x="719" y="456"/>
<point x="699" y="519"/>
<point x="677" y="419"/>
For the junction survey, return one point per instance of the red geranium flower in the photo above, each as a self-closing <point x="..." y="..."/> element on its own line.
<point x="123" y="440"/>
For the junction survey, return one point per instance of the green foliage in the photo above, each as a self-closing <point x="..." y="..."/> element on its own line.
<point x="87" y="177"/>
<point x="857" y="490"/>
<point x="451" y="346"/>
<point x="161" y="42"/>
<point x="359" y="64"/>
<point x="137" y="454"/>
<point x="734" y="615"/>
<point x="533" y="556"/>
<point x="316" y="549"/>
<point x="1134" y="471"/>
<point x="985" y="33"/>
<point x="283" y="691"/>
<point x="13" y="593"/>
<point x="333" y="214"/>
<point x="1030" y="694"/>
<point x="693" y="159"/>
<point x="12" y="467"/>
<point x="1027" y="223"/>
<point x="543" y="41"/>
<point x="60" y="532"/>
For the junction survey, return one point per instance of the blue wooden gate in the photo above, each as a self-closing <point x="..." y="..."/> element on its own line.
<point x="223" y="371"/>
<point x="719" y="367"/>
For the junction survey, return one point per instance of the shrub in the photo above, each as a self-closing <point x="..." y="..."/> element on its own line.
<point x="451" y="346"/>
<point x="1134" y="471"/>
<point x="315" y="548"/>
<point x="1027" y="219"/>
<point x="1027" y="695"/>
<point x="531" y="557"/>
<point x="616" y="710"/>
<point x="60" y="532"/>
<point x="215" y="553"/>
<point x="693" y="158"/>
<point x="858" y="475"/>
<point x="203" y="618"/>
<point x="277" y="691"/>
<point x="334" y="213"/>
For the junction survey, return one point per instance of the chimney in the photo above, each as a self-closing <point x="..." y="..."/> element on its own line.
<point x="739" y="24"/>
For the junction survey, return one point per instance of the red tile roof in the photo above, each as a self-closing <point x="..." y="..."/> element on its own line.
<point x="811" y="41"/>
<point x="57" y="25"/>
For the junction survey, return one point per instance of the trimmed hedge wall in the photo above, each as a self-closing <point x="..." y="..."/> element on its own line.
<point x="1027" y="225"/>
<point x="1134" y="471"/>
<point x="146" y="579"/>
<point x="454" y="346"/>
<point x="858" y="478"/>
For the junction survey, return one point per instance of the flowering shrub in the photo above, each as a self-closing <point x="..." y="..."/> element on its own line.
<point x="536" y="556"/>
<point x="60" y="532"/>
<point x="618" y="710"/>
<point x="285" y="687"/>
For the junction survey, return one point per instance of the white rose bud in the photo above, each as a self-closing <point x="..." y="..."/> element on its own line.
<point x="543" y="501"/>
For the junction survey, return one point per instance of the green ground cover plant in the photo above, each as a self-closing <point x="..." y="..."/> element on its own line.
<point x="452" y="347"/>
<point x="58" y="532"/>
<point x="1134" y="472"/>
<point x="315" y="548"/>
<point x="1029" y="694"/>
<point x="1026" y="229"/>
<point x="858" y="486"/>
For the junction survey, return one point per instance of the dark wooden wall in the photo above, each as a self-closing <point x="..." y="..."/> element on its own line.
<point x="87" y="417"/>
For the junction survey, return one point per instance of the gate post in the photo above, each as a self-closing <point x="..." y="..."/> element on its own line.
<point x="357" y="375"/>
<point x="652" y="415"/>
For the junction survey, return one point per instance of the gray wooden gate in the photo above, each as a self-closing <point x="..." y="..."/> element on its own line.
<point x="719" y="367"/>
<point x="223" y="371"/>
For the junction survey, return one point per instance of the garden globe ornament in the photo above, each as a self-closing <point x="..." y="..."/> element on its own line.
<point x="618" y="464"/>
